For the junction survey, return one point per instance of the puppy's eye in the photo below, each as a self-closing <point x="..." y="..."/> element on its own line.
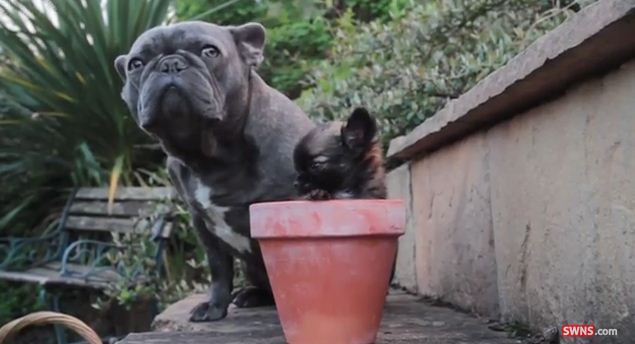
<point x="318" y="162"/>
<point x="134" y="64"/>
<point x="210" y="51"/>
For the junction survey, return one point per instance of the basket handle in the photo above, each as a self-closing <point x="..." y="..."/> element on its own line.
<point x="10" y="329"/>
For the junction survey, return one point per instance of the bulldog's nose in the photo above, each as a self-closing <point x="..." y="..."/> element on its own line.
<point x="172" y="64"/>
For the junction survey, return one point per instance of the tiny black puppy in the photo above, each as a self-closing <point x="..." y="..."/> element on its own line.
<point x="341" y="160"/>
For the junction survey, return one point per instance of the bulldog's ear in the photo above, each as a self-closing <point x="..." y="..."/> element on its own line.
<point x="120" y="66"/>
<point x="250" y="41"/>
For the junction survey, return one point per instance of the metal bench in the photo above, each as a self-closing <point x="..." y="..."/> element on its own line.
<point x="74" y="254"/>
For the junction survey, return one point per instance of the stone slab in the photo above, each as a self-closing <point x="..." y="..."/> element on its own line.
<point x="239" y="320"/>
<point x="406" y="320"/>
<point x="599" y="38"/>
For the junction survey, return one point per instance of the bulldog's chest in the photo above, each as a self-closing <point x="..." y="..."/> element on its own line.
<point x="228" y="222"/>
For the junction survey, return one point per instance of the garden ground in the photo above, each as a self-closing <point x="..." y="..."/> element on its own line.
<point x="407" y="319"/>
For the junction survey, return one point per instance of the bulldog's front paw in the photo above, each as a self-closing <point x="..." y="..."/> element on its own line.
<point x="206" y="312"/>
<point x="318" y="195"/>
<point x="253" y="297"/>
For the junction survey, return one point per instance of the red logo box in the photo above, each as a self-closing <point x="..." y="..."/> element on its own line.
<point x="578" y="330"/>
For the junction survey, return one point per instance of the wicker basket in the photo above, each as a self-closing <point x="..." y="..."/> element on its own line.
<point x="10" y="329"/>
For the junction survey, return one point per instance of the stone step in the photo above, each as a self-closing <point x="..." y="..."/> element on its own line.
<point x="406" y="319"/>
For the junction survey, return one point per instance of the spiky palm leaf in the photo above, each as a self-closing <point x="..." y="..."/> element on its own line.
<point x="63" y="122"/>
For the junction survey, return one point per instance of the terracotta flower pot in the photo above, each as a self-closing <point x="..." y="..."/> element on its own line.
<point x="329" y="264"/>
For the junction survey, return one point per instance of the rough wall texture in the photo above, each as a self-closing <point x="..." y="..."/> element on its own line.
<point x="535" y="218"/>
<point x="563" y="205"/>
<point x="455" y="244"/>
<point x="398" y="182"/>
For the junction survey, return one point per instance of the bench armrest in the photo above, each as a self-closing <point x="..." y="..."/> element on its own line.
<point x="90" y="254"/>
<point x="161" y="227"/>
<point x="21" y="253"/>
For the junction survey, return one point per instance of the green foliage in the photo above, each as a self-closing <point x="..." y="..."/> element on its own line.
<point x="138" y="270"/>
<point x="64" y="122"/>
<point x="222" y="12"/>
<point x="186" y="260"/>
<point x="18" y="300"/>
<point x="366" y="10"/>
<point x="292" y="51"/>
<point x="405" y="70"/>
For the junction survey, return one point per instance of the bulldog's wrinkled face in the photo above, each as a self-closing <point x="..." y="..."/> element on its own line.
<point x="186" y="76"/>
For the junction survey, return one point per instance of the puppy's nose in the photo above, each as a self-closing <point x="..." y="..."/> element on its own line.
<point x="214" y="119"/>
<point x="172" y="64"/>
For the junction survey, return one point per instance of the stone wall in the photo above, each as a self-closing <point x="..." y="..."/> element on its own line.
<point x="562" y="195"/>
<point x="531" y="216"/>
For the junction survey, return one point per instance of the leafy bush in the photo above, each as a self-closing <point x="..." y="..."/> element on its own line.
<point x="137" y="267"/>
<point x="63" y="122"/>
<point x="222" y="12"/>
<point x="383" y="10"/>
<point x="405" y="70"/>
<point x="18" y="300"/>
<point x="292" y="51"/>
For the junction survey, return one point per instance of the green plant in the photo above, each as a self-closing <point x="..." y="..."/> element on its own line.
<point x="18" y="299"/>
<point x="137" y="269"/>
<point x="406" y="69"/>
<point x="63" y="122"/>
<point x="384" y="10"/>
<point x="186" y="258"/>
<point x="222" y="12"/>
<point x="518" y="329"/>
<point x="292" y="51"/>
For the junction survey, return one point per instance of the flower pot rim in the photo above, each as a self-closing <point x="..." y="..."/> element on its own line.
<point x="327" y="219"/>
<point x="368" y="202"/>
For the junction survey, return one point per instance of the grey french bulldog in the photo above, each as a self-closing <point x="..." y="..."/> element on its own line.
<point x="229" y="138"/>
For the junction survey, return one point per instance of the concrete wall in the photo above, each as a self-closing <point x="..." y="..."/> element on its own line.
<point x="532" y="219"/>
<point x="521" y="192"/>
<point x="399" y="186"/>
<point x="563" y="207"/>
<point x="455" y="244"/>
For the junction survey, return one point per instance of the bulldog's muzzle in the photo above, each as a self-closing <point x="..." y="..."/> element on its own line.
<point x="178" y="86"/>
<point x="172" y="64"/>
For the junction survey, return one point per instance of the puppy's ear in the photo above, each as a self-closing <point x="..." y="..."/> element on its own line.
<point x="120" y="66"/>
<point x="250" y="41"/>
<point x="359" y="131"/>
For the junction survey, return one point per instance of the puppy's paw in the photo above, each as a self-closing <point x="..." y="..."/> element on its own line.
<point x="204" y="312"/>
<point x="318" y="195"/>
<point x="253" y="297"/>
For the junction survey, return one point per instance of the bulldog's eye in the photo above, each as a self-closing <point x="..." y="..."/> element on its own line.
<point x="134" y="64"/>
<point x="210" y="51"/>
